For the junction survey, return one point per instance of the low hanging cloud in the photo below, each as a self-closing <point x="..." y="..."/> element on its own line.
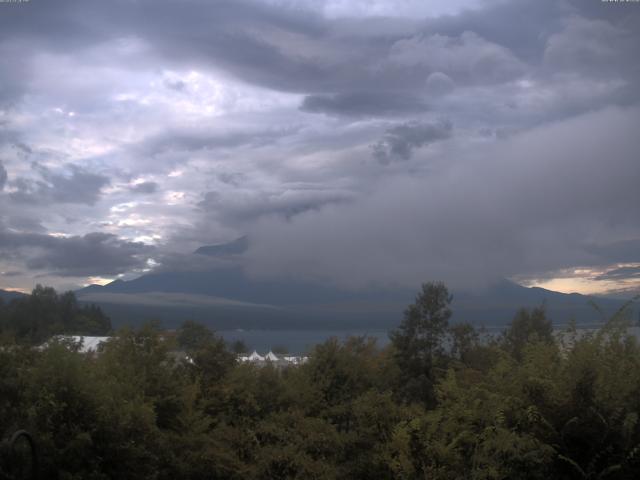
<point x="591" y="46"/>
<point x="465" y="58"/>
<point x="200" y="140"/>
<point x="296" y="48"/>
<point x="92" y="254"/>
<point x="3" y="176"/>
<point x="623" y="251"/>
<point x="622" y="273"/>
<point x="144" y="188"/>
<point x="522" y="205"/>
<point x="268" y="115"/>
<point x="399" y="142"/>
<point x="240" y="207"/>
<point x="365" y="104"/>
<point x="76" y="185"/>
<point x="439" y="83"/>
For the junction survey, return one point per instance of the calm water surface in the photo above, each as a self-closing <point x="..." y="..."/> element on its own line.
<point x="302" y="341"/>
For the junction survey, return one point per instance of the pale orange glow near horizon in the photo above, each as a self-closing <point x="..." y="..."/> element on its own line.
<point x="15" y="289"/>
<point x="587" y="281"/>
<point x="98" y="281"/>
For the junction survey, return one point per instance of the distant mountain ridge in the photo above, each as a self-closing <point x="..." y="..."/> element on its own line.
<point x="235" y="247"/>
<point x="8" y="295"/>
<point x="227" y="298"/>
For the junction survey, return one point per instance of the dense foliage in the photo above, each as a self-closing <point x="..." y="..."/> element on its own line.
<point x="36" y="317"/>
<point x="441" y="402"/>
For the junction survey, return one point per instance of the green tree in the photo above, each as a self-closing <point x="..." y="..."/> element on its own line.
<point x="341" y="371"/>
<point x="36" y="317"/>
<point x="418" y="342"/>
<point x="464" y="341"/>
<point x="192" y="335"/>
<point x="527" y="326"/>
<point x="239" y="347"/>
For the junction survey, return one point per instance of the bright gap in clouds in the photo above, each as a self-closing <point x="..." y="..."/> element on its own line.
<point x="589" y="281"/>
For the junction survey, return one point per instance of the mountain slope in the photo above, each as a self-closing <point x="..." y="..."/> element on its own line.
<point x="227" y="298"/>
<point x="235" y="247"/>
<point x="7" y="295"/>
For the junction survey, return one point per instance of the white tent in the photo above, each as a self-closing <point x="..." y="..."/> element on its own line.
<point x="271" y="357"/>
<point x="90" y="344"/>
<point x="256" y="357"/>
<point x="87" y="344"/>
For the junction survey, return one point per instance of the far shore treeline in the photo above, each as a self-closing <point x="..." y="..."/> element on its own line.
<point x="440" y="401"/>
<point x="33" y="319"/>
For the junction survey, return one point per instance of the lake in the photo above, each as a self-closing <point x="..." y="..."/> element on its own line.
<point x="302" y="341"/>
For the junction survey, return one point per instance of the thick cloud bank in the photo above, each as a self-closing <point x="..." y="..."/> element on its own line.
<point x="354" y="141"/>
<point x="540" y="200"/>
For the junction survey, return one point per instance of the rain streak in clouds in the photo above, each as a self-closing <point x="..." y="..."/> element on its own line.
<point x="354" y="143"/>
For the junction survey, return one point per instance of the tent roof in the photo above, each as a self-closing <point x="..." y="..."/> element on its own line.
<point x="255" y="356"/>
<point x="271" y="356"/>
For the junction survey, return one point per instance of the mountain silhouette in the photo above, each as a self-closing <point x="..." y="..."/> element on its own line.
<point x="226" y="297"/>
<point x="7" y="295"/>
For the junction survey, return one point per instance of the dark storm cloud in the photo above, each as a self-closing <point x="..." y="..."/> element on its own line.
<point x="177" y="85"/>
<point x="3" y="176"/>
<point x="594" y="47"/>
<point x="144" y="188"/>
<point x="11" y="274"/>
<point x="231" y="178"/>
<point x="400" y="141"/>
<point x="439" y="83"/>
<point x="622" y="273"/>
<point x="13" y="74"/>
<point x="522" y="26"/>
<point x="23" y="223"/>
<point x="467" y="59"/>
<point x="496" y="205"/>
<point x="196" y="140"/>
<point x="625" y="251"/>
<point x="525" y="26"/>
<point x="299" y="50"/>
<point x="77" y="185"/>
<point x="363" y="104"/>
<point x="220" y="33"/>
<point x="63" y="23"/>
<point x="239" y="207"/>
<point x="286" y="49"/>
<point x="90" y="254"/>
<point x="522" y="205"/>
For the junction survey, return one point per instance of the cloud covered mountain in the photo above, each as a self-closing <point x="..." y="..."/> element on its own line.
<point x="225" y="297"/>
<point x="355" y="141"/>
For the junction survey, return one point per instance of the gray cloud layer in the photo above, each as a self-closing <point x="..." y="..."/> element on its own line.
<point x="400" y="141"/>
<point x="92" y="254"/>
<point x="354" y="148"/>
<point x="3" y="176"/>
<point x="364" y="104"/>
<point x="144" y="187"/>
<point x="75" y="186"/>
<point x="529" y="204"/>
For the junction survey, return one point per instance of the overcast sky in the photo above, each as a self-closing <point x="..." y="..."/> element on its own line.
<point x="355" y="142"/>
